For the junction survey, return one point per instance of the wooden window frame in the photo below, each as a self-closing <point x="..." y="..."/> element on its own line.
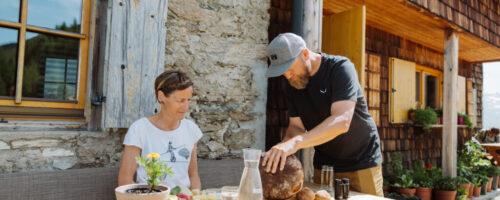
<point x="84" y="38"/>
<point x="433" y="72"/>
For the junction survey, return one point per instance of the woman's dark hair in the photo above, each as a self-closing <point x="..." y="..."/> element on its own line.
<point x="170" y="81"/>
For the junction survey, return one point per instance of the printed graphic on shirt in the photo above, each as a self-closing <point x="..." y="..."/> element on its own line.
<point x="175" y="153"/>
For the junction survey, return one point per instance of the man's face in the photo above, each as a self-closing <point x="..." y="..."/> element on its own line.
<point x="298" y="74"/>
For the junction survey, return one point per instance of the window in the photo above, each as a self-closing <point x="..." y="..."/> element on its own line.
<point x="43" y="57"/>
<point x="428" y="87"/>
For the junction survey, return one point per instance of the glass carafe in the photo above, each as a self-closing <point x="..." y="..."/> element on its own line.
<point x="250" y="184"/>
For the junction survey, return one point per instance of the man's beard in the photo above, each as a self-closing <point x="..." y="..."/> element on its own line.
<point x="299" y="81"/>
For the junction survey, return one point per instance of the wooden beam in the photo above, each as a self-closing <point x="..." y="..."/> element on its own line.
<point x="312" y="35"/>
<point x="449" y="148"/>
<point x="20" y="52"/>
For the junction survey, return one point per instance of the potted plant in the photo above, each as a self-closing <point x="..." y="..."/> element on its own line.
<point x="445" y="188"/>
<point x="423" y="180"/>
<point x="493" y="173"/>
<point x="404" y="185"/>
<point x="425" y="117"/>
<point x="411" y="115"/>
<point x="156" y="171"/>
<point x="439" y="113"/>
<point x="463" y="176"/>
<point x="387" y="186"/>
<point x="477" y="181"/>
<point x="460" y="119"/>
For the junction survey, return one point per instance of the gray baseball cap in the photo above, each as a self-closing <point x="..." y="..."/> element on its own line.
<point x="282" y="52"/>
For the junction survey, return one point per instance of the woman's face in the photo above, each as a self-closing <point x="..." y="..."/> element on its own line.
<point x="177" y="103"/>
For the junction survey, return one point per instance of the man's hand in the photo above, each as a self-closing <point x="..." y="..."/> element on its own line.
<point x="278" y="153"/>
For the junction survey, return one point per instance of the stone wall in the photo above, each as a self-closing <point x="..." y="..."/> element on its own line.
<point x="221" y="44"/>
<point x="58" y="150"/>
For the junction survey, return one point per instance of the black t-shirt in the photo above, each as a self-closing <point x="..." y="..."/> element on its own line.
<point x="337" y="80"/>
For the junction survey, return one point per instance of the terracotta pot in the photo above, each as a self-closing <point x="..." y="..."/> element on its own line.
<point x="471" y="190"/>
<point x="444" y="194"/>
<point x="386" y="188"/>
<point x="424" y="193"/>
<point x="494" y="185"/>
<point x="466" y="186"/>
<point x="121" y="193"/>
<point x="477" y="191"/>
<point x="488" y="187"/>
<point x="409" y="192"/>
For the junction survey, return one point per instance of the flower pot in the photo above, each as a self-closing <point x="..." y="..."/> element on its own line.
<point x="488" y="187"/>
<point x="409" y="192"/>
<point x="494" y="184"/>
<point x="122" y="194"/>
<point x="466" y="187"/>
<point x="444" y="194"/>
<point x="471" y="190"/>
<point x="484" y="188"/>
<point x="386" y="188"/>
<point x="424" y="193"/>
<point x="477" y="191"/>
<point x="461" y="120"/>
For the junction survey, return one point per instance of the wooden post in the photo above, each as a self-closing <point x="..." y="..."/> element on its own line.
<point x="313" y="13"/>
<point x="449" y="151"/>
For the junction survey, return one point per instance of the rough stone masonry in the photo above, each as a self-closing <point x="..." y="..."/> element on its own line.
<point x="222" y="44"/>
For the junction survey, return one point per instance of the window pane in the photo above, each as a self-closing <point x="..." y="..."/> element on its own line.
<point x="8" y="61"/>
<point x="9" y="10"/>
<point x="431" y="91"/>
<point x="56" y="14"/>
<point x="51" y="66"/>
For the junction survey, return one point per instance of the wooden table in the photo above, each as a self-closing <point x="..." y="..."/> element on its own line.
<point x="492" y="149"/>
<point x="352" y="194"/>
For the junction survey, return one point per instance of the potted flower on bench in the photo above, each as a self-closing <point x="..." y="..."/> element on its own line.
<point x="156" y="171"/>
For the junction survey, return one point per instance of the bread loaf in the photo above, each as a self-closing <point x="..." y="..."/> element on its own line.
<point x="283" y="184"/>
<point x="306" y="194"/>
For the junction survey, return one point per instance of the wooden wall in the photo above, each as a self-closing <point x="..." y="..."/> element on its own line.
<point x="411" y="141"/>
<point x="277" y="115"/>
<point x="479" y="17"/>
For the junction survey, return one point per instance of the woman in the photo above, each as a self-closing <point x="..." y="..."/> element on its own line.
<point x="166" y="133"/>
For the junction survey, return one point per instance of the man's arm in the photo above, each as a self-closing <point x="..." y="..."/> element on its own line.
<point x="333" y="126"/>
<point x="295" y="127"/>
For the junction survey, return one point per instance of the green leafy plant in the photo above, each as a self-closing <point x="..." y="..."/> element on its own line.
<point x="156" y="170"/>
<point x="467" y="120"/>
<point x="405" y="181"/>
<point x="425" y="117"/>
<point x="446" y="183"/>
<point x="394" y="167"/>
<point x="420" y="175"/>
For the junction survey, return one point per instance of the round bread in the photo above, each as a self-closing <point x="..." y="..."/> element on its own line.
<point x="322" y="195"/>
<point x="306" y="194"/>
<point x="282" y="184"/>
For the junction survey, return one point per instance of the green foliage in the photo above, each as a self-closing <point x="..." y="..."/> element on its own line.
<point x="425" y="117"/>
<point x="175" y="191"/>
<point x="405" y="181"/>
<point x="421" y="177"/>
<point x="155" y="169"/>
<point x="446" y="183"/>
<point x="467" y="120"/>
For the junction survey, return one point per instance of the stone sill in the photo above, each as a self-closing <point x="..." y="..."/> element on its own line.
<point x="43" y="125"/>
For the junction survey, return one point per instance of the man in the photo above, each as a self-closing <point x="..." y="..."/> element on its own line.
<point x="327" y="111"/>
<point x="488" y="136"/>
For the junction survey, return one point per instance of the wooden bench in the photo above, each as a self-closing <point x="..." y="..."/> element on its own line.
<point x="99" y="183"/>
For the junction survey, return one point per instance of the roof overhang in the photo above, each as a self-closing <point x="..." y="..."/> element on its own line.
<point x="409" y="21"/>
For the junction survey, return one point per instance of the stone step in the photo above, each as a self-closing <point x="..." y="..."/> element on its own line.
<point x="494" y="194"/>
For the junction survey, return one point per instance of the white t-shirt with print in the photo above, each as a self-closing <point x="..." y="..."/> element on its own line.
<point x="174" y="147"/>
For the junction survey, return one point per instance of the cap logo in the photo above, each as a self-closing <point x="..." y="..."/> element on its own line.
<point x="274" y="57"/>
